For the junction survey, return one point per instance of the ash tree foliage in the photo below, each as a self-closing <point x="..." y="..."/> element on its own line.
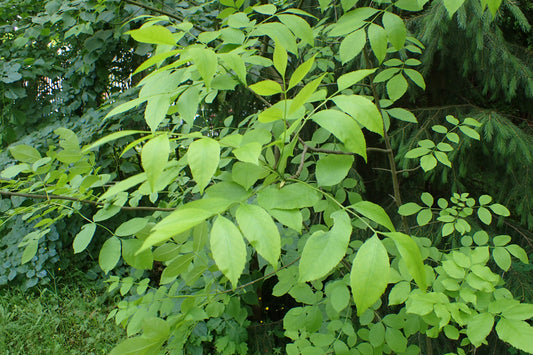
<point x="241" y="154"/>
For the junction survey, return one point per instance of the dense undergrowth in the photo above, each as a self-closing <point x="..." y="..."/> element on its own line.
<point x="66" y="317"/>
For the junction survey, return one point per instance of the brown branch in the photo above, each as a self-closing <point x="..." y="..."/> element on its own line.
<point x="339" y="152"/>
<point x="90" y="202"/>
<point x="392" y="163"/>
<point x="302" y="162"/>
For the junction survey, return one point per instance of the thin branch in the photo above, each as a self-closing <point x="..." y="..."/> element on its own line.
<point x="89" y="202"/>
<point x="399" y="171"/>
<point x="392" y="163"/>
<point x="339" y="152"/>
<point x="302" y="162"/>
<point x="163" y="12"/>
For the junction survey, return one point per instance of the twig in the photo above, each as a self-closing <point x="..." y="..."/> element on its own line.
<point x="392" y="163"/>
<point x="302" y="162"/>
<point x="95" y="203"/>
<point x="163" y="12"/>
<point x="339" y="152"/>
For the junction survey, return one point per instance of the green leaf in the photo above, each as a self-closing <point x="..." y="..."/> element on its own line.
<point x="479" y="327"/>
<point x="339" y="296"/>
<point x="29" y="251"/>
<point x="484" y="215"/>
<point x="187" y="104"/>
<point x="332" y="169"/>
<point x="396" y="87"/>
<point x="238" y="20"/>
<point x="140" y="261"/>
<point x="124" y="185"/>
<point x="249" y="153"/>
<point x="502" y="258"/>
<point x="370" y="273"/>
<point x="395" y="28"/>
<point x="271" y="114"/>
<point x="136" y="346"/>
<point x="416" y="77"/>
<point x="109" y="138"/>
<point x="289" y="197"/>
<point x="518" y="253"/>
<point x="453" y="5"/>
<point x="109" y="254"/>
<point x="484" y="200"/>
<point x="428" y="162"/>
<point x="348" y="4"/>
<point x="408" y="209"/>
<point x="375" y="213"/>
<point x="396" y="340"/>
<point x="131" y="227"/>
<point x="279" y="31"/>
<point x="261" y="231"/>
<point x="470" y="132"/>
<point x="439" y="129"/>
<point x="352" y="45"/>
<point x="299" y="27"/>
<point x="203" y="157"/>
<point x="501" y="240"/>
<point x="385" y="75"/>
<point x="303" y="95"/>
<point x="362" y="110"/>
<point x="351" y="21"/>
<point x="266" y="88"/>
<point x="13" y="170"/>
<point x="125" y="107"/>
<point x="376" y="336"/>
<point x="443" y="158"/>
<point x="427" y="198"/>
<point x="424" y="217"/>
<point x="182" y="220"/>
<point x="236" y="63"/>
<point x="328" y="247"/>
<point x="156" y="59"/>
<point x="399" y="293"/>
<point x="280" y="58"/>
<point x="154" y="34"/>
<point x="493" y="6"/>
<point x="411" y="256"/>
<point x="500" y="210"/>
<point x="301" y="72"/>
<point x="25" y="153"/>
<point x="290" y="218"/>
<point x="154" y="158"/>
<point x="229" y="250"/>
<point x="417" y="152"/>
<point x="268" y="9"/>
<point x="176" y="267"/>
<point x="84" y="237"/>
<point x="156" y="110"/>
<point x="206" y="62"/>
<point x="378" y="41"/>
<point x="344" y="128"/>
<point x="402" y="114"/>
<point x="246" y="174"/>
<point x="517" y="333"/>
<point x="351" y="78"/>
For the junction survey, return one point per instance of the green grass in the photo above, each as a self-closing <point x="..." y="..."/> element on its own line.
<point x="67" y="319"/>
